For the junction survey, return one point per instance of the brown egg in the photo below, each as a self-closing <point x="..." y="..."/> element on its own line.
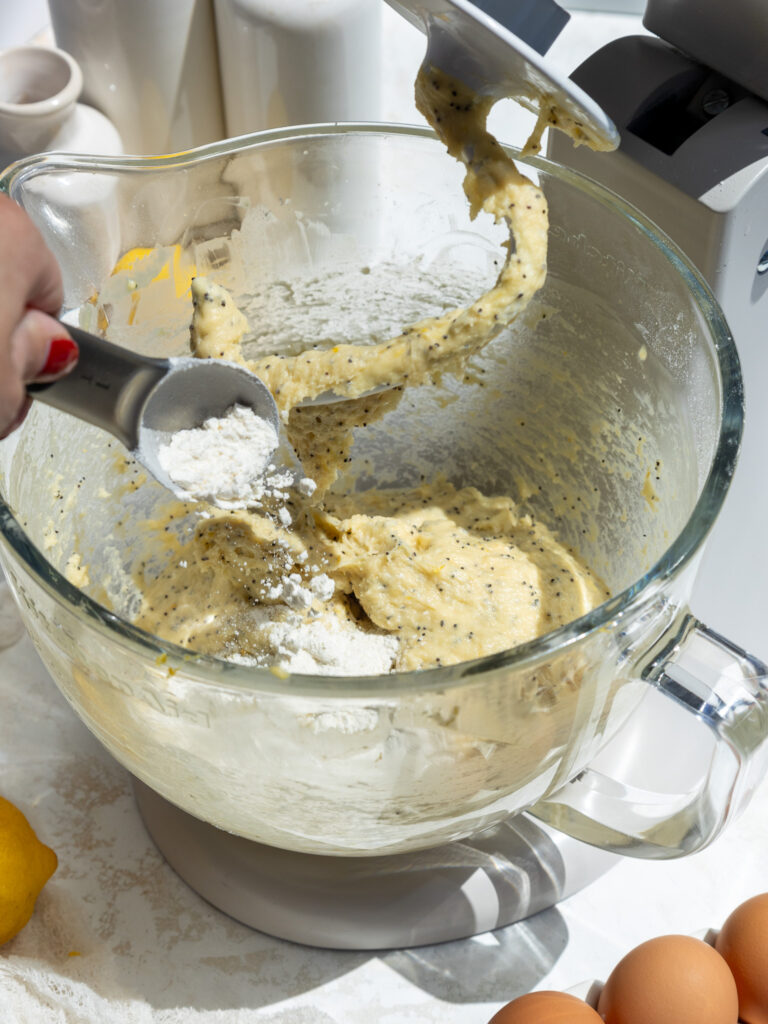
<point x="546" y="1008"/>
<point x="673" y="979"/>
<point x="743" y="944"/>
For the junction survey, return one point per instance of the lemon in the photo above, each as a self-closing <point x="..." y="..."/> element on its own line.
<point x="26" y="864"/>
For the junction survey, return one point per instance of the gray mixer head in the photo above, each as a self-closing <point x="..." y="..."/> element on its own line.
<point x="730" y="38"/>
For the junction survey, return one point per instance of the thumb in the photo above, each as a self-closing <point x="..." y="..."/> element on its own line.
<point x="41" y="348"/>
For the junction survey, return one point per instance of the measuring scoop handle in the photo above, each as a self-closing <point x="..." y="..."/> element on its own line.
<point x="107" y="386"/>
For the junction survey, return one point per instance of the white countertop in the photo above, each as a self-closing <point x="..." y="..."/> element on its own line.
<point x="118" y="937"/>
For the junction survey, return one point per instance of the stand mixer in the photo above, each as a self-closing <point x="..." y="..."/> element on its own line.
<point x="691" y="106"/>
<point x="516" y="868"/>
<point x="693" y="156"/>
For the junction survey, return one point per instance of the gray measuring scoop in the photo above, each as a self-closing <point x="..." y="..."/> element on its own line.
<point x="144" y="401"/>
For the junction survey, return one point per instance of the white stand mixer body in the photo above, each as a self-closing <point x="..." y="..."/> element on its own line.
<point x="694" y="158"/>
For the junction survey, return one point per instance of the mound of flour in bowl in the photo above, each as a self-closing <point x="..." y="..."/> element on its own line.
<point x="324" y="645"/>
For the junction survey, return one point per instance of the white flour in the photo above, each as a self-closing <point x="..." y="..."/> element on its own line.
<point x="225" y="461"/>
<point x="323" y="645"/>
<point x="326" y="646"/>
<point x="291" y="590"/>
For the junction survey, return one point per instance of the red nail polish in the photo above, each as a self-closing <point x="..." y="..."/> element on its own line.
<point x="62" y="353"/>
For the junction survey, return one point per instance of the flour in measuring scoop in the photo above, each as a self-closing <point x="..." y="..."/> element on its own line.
<point x="226" y="460"/>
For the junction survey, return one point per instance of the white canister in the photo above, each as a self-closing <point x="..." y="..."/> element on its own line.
<point x="298" y="62"/>
<point x="150" y="65"/>
<point x="39" y="89"/>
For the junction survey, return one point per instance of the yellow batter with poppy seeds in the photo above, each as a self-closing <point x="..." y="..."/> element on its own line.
<point x="448" y="574"/>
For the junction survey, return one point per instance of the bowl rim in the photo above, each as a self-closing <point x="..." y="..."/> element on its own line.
<point x="232" y="676"/>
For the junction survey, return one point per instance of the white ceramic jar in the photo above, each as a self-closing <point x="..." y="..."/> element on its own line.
<point x="298" y="62"/>
<point x="150" y="65"/>
<point x="39" y="90"/>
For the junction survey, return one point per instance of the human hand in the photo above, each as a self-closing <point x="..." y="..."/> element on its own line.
<point x="33" y="346"/>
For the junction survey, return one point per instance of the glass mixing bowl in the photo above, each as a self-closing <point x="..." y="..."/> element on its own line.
<point x="612" y="410"/>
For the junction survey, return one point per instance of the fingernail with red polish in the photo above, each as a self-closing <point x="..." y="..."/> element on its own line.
<point x="62" y="353"/>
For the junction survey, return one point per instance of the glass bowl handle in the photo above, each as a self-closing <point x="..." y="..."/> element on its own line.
<point x="719" y="694"/>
